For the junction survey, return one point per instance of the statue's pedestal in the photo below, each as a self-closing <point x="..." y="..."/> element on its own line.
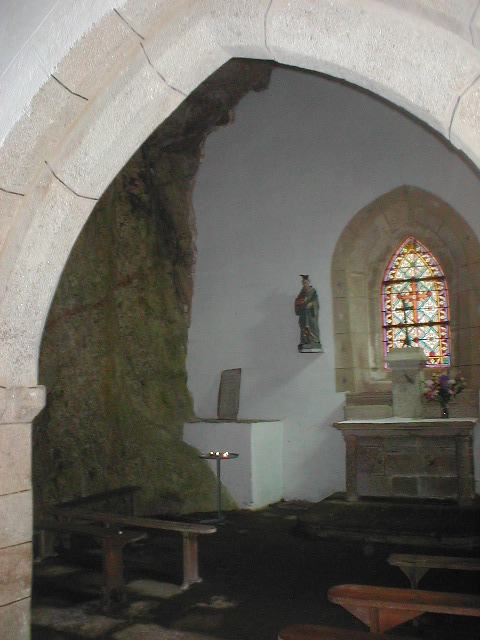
<point x="255" y="478"/>
<point x="411" y="458"/>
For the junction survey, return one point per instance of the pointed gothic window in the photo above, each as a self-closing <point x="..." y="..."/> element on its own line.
<point x="415" y="304"/>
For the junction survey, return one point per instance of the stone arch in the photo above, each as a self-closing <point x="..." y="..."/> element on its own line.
<point x="361" y="255"/>
<point x="61" y="158"/>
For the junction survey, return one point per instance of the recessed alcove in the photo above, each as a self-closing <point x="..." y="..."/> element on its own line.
<point x="361" y="256"/>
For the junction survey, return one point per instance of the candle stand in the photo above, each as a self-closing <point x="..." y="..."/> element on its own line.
<point x="218" y="456"/>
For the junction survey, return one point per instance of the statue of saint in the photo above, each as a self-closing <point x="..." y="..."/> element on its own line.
<point x="306" y="308"/>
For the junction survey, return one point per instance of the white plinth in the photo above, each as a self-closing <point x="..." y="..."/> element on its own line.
<point x="254" y="479"/>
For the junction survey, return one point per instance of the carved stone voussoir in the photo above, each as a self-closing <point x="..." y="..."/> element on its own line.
<point x="20" y="405"/>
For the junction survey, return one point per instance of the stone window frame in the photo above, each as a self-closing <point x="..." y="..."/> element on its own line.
<point x="360" y="258"/>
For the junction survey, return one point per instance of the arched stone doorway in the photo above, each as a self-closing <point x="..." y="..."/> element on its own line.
<point x="117" y="83"/>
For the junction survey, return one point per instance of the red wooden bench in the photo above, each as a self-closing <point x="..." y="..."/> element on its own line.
<point x="316" y="632"/>
<point x="382" y="608"/>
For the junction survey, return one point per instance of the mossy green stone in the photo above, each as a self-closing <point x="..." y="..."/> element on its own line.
<point x="115" y="342"/>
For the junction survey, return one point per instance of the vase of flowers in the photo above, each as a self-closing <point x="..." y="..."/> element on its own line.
<point x="443" y="388"/>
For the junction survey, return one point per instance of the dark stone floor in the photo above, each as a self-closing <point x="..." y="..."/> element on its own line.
<point x="260" y="574"/>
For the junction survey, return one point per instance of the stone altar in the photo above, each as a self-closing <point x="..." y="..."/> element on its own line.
<point x="410" y="458"/>
<point x="407" y="455"/>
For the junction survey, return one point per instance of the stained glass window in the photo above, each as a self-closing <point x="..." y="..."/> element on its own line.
<point x="415" y="304"/>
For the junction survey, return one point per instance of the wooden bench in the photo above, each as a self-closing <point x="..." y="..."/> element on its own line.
<point x="112" y="541"/>
<point x="189" y="532"/>
<point x="382" y="608"/>
<point x="126" y="496"/>
<point x="317" y="632"/>
<point x="113" y="498"/>
<point x="416" y="566"/>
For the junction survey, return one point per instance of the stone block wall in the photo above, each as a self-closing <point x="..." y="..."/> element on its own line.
<point x="417" y="467"/>
<point x="18" y="407"/>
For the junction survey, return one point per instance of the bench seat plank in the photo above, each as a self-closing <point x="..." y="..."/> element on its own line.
<point x="127" y="493"/>
<point x="382" y="608"/>
<point x="416" y="566"/>
<point x="133" y="521"/>
<point x="90" y="531"/>
<point x="320" y="632"/>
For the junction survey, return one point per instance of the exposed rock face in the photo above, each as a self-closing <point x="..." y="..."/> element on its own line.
<point x="114" y="346"/>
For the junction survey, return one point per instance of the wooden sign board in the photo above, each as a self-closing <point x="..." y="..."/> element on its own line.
<point x="229" y="394"/>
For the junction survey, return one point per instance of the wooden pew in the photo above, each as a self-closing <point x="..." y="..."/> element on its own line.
<point x="319" y="632"/>
<point x="189" y="532"/>
<point x="416" y="566"/>
<point x="382" y="608"/>
<point x="126" y="496"/>
<point x="112" y="541"/>
<point x="117" y="498"/>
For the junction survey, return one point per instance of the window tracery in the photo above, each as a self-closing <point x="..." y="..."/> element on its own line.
<point x="415" y="304"/>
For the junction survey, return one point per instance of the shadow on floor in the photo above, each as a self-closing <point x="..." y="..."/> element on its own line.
<point x="259" y="575"/>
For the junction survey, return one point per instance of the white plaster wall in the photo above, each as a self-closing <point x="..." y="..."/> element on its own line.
<point x="273" y="194"/>
<point x="267" y="477"/>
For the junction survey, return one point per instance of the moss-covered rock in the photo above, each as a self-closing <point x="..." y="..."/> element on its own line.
<point x="115" y="342"/>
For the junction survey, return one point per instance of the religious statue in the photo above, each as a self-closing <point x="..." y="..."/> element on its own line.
<point x="306" y="308"/>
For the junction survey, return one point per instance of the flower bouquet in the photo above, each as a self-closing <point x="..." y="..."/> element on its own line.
<point x="442" y="388"/>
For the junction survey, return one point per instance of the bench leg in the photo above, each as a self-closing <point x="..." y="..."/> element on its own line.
<point x="374" y="620"/>
<point x="378" y="618"/>
<point x="131" y="504"/>
<point x="384" y="619"/>
<point x="113" y="590"/>
<point x="190" y="560"/>
<point x="414" y="574"/>
<point x="45" y="545"/>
